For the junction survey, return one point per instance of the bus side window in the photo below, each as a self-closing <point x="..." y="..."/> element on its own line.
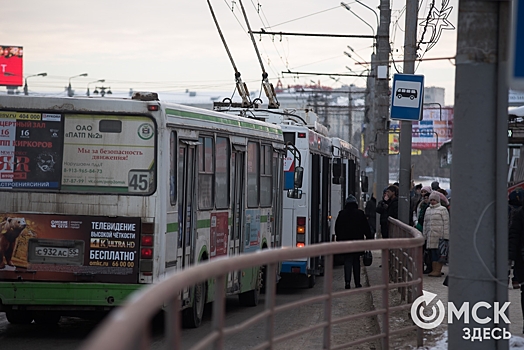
<point x="252" y="174"/>
<point x="266" y="168"/>
<point x="206" y="173"/>
<point x="222" y="158"/>
<point x="172" y="168"/>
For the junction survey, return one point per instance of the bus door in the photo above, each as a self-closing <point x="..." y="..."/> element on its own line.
<point x="315" y="208"/>
<point x="186" y="188"/>
<point x="278" y="172"/>
<point x="237" y="171"/>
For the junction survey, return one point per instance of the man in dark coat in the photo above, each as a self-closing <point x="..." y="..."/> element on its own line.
<point x="352" y="225"/>
<point x="371" y="213"/>
<point x="388" y="207"/>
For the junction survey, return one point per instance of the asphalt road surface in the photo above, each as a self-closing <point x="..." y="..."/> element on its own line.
<point x="71" y="332"/>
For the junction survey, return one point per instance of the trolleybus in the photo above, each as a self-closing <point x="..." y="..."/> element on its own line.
<point x="102" y="196"/>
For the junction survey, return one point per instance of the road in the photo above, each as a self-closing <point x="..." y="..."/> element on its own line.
<point x="71" y="332"/>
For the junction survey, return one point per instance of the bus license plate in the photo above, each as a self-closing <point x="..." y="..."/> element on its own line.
<point x="56" y="252"/>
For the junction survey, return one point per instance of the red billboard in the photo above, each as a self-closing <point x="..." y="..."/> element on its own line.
<point x="11" y="65"/>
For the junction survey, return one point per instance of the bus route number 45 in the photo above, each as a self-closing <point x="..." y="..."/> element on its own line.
<point x="138" y="181"/>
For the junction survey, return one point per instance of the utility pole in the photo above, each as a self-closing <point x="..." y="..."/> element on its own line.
<point x="381" y="116"/>
<point x="410" y="54"/>
<point x="369" y="136"/>
<point x="478" y="257"/>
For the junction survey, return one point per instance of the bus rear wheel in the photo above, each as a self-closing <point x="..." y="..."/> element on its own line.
<point x="19" y="317"/>
<point x="192" y="317"/>
<point x="47" y="318"/>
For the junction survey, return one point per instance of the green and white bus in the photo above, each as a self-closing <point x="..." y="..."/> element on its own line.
<point x="101" y="196"/>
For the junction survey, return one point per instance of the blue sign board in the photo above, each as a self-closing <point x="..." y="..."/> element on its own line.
<point x="517" y="47"/>
<point x="407" y="96"/>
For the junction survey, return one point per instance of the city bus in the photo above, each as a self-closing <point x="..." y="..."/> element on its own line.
<point x="306" y="211"/>
<point x="102" y="196"/>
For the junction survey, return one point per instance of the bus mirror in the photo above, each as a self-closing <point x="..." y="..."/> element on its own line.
<point x="299" y="173"/>
<point x="364" y="184"/>
<point x="294" y="193"/>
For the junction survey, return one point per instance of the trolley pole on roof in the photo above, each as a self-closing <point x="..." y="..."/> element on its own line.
<point x="268" y="87"/>
<point x="240" y="85"/>
<point x="478" y="257"/>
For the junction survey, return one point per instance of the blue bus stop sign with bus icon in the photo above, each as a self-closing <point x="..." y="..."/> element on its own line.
<point x="407" y="96"/>
<point x="516" y="70"/>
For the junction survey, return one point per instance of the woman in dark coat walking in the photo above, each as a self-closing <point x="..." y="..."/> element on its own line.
<point x="352" y="225"/>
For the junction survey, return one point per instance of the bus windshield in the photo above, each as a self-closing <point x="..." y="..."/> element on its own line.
<point x="65" y="152"/>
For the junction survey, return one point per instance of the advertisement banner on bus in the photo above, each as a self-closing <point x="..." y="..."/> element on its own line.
<point x="11" y="65"/>
<point x="252" y="229"/>
<point x="30" y="150"/>
<point x="219" y="234"/>
<point x="107" y="151"/>
<point x="69" y="248"/>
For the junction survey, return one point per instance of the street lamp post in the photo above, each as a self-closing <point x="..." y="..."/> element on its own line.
<point x="26" y="89"/>
<point x="97" y="81"/>
<point x="70" y="91"/>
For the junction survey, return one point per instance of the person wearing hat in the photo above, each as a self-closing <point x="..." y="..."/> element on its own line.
<point x="351" y="225"/>
<point x="435" y="185"/>
<point x="436" y="227"/>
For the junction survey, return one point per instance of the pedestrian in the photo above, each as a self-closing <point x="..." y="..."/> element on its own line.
<point x="351" y="225"/>
<point x="382" y="209"/>
<point x="516" y="251"/>
<point x="514" y="203"/>
<point x="415" y="198"/>
<point x="436" y="228"/>
<point x="435" y="185"/>
<point x="424" y="204"/>
<point x="387" y="207"/>
<point x="371" y="213"/>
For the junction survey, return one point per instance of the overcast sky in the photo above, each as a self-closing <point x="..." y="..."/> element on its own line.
<point x="173" y="45"/>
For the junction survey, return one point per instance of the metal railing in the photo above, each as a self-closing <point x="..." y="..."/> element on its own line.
<point x="128" y="326"/>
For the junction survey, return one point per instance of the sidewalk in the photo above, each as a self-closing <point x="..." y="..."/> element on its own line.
<point x="373" y="274"/>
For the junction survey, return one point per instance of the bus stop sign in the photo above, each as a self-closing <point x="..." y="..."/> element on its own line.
<point x="407" y="96"/>
<point x="516" y="78"/>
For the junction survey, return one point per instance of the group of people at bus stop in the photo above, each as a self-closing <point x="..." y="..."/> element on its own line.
<point x="429" y="207"/>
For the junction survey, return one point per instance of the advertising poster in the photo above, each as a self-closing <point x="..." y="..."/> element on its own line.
<point x="120" y="158"/>
<point x="219" y="234"/>
<point x="252" y="231"/>
<point x="289" y="171"/>
<point x="30" y="150"/>
<point x="11" y="65"/>
<point x="41" y="247"/>
<point x="431" y="132"/>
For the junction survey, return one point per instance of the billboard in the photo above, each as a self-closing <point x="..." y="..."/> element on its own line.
<point x="435" y="128"/>
<point x="11" y="67"/>
<point x="45" y="247"/>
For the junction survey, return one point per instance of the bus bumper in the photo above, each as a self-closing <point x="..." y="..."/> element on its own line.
<point x="299" y="267"/>
<point x="64" y="296"/>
